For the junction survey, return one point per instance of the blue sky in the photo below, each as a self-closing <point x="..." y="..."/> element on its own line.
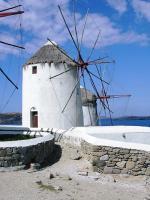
<point x="125" y="37"/>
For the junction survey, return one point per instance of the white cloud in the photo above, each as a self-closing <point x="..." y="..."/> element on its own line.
<point x="119" y="5"/>
<point x="42" y="19"/>
<point x="142" y="8"/>
<point x="110" y="34"/>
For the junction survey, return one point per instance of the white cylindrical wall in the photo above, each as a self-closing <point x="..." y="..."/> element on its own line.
<point x="49" y="96"/>
<point x="90" y="114"/>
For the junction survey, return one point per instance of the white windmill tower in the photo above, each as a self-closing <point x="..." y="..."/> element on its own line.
<point x="89" y="107"/>
<point x="45" y="93"/>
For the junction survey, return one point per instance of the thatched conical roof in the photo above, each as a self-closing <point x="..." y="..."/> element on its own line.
<point x="49" y="53"/>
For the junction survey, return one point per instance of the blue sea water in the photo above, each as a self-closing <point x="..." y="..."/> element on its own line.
<point x="127" y="122"/>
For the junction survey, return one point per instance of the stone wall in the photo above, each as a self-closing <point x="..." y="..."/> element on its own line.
<point x="24" y="155"/>
<point x="111" y="160"/>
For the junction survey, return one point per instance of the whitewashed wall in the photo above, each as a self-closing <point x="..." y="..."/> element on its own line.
<point x="48" y="97"/>
<point x="90" y="114"/>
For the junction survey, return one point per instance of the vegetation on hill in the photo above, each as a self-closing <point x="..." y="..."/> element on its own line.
<point x="10" y="118"/>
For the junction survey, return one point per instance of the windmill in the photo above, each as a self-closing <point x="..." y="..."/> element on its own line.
<point x="84" y="64"/>
<point x="89" y="105"/>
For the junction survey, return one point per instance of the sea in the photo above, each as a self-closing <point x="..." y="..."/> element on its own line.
<point x="126" y="122"/>
<point x="16" y="119"/>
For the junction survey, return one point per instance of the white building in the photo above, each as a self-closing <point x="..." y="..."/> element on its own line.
<point x="89" y="107"/>
<point x="45" y="97"/>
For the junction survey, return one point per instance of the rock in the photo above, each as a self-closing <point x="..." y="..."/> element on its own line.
<point x="142" y="159"/>
<point x="95" y="169"/>
<point x="75" y="155"/>
<point x="39" y="182"/>
<point x="115" y="180"/>
<point x="57" y="174"/>
<point x="3" y="153"/>
<point x="116" y="150"/>
<point x="95" y="178"/>
<point x="134" y="158"/>
<point x="100" y="163"/>
<point x="6" y="164"/>
<point x="67" y="178"/>
<point x="147" y="173"/>
<point x="83" y="173"/>
<point x="121" y="164"/>
<point x="35" y="166"/>
<point x="95" y="148"/>
<point x="124" y="171"/>
<point x="116" y="171"/>
<point x="99" y="153"/>
<point x="135" y="173"/>
<point x="108" y="170"/>
<point x="104" y="157"/>
<point x="58" y="188"/>
<point x="136" y="169"/>
<point x="126" y="156"/>
<point x="51" y="176"/>
<point x="111" y="164"/>
<point x="134" y="151"/>
<point x="147" y="198"/>
<point x="124" y="151"/>
<point x="9" y="151"/>
<point x="130" y="164"/>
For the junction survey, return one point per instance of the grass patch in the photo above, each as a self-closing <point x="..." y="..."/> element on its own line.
<point x="10" y="137"/>
<point x="46" y="187"/>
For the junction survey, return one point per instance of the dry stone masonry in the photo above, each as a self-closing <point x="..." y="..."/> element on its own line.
<point x="24" y="155"/>
<point x="111" y="160"/>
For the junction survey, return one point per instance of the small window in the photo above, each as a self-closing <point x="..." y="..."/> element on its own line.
<point x="34" y="70"/>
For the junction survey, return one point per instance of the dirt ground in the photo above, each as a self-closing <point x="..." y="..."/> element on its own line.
<point x="71" y="180"/>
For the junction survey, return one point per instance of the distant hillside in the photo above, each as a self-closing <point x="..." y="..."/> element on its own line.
<point x="129" y="118"/>
<point x="16" y="118"/>
<point x="10" y="118"/>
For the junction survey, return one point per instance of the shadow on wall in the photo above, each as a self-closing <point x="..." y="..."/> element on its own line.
<point x="55" y="156"/>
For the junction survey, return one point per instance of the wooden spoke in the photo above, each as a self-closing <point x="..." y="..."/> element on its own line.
<point x="75" y="24"/>
<point x="94" y="87"/>
<point x="79" y="54"/>
<point x="82" y="35"/>
<point x="13" y="45"/>
<point x="105" y="94"/>
<point x="8" y="78"/>
<point x="94" y="46"/>
<point x="78" y="81"/>
<point x="98" y="77"/>
<point x="60" y="74"/>
<point x="10" y="8"/>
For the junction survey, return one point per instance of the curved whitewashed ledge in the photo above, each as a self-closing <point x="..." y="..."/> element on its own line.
<point x="76" y="135"/>
<point x="24" y="152"/>
<point x="26" y="143"/>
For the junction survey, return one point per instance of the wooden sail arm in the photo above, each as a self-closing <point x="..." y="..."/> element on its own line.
<point x="6" y="14"/>
<point x="13" y="45"/>
<point x="113" y="96"/>
<point x="6" y="76"/>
